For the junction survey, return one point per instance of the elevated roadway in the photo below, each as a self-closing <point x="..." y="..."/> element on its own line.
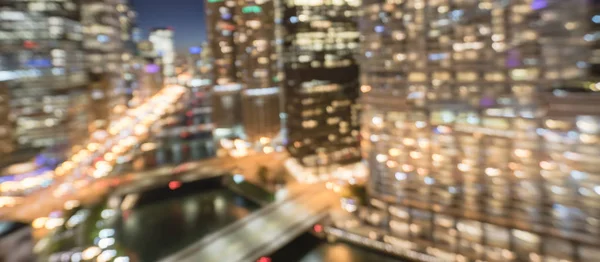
<point x="264" y="231"/>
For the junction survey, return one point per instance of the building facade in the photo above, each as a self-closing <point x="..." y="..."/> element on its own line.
<point x="257" y="67"/>
<point x="220" y="26"/>
<point x="321" y="81"/>
<point x="104" y="47"/>
<point x="227" y="110"/>
<point x="42" y="73"/>
<point x="474" y="142"/>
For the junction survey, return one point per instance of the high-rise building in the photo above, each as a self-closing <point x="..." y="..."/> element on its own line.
<point x="257" y="68"/>
<point x="220" y="27"/>
<point x="476" y="147"/>
<point x="129" y="33"/>
<point x="164" y="47"/>
<point x="104" y="47"/>
<point x="321" y="81"/>
<point x="42" y="73"/>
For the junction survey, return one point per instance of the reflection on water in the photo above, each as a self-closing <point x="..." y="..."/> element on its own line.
<point x="308" y="248"/>
<point x="157" y="230"/>
<point x="342" y="252"/>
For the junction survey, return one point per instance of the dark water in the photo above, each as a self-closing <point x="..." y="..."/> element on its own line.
<point x="308" y="248"/>
<point x="157" y="230"/>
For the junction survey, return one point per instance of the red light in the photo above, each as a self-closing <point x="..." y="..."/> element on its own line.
<point x="318" y="228"/>
<point x="174" y="185"/>
<point x="264" y="259"/>
<point x="29" y="44"/>
<point x="126" y="214"/>
<point x="189" y="113"/>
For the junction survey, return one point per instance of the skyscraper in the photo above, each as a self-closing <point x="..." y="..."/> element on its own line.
<point x="164" y="47"/>
<point x="257" y="68"/>
<point x="321" y="81"/>
<point x="104" y="47"/>
<point x="42" y="73"/>
<point x="474" y="141"/>
<point x="220" y="27"/>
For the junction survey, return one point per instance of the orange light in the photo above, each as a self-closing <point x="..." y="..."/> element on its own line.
<point x="318" y="228"/>
<point x="174" y="185"/>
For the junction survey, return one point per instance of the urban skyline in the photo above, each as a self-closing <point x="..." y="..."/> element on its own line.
<point x="300" y="130"/>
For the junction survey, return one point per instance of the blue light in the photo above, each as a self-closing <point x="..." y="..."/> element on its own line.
<point x="294" y="19"/>
<point x="102" y="38"/>
<point x="456" y="14"/>
<point x="429" y="180"/>
<point x="400" y="176"/>
<point x="237" y="178"/>
<point x="379" y="28"/>
<point x="596" y="19"/>
<point x="539" y="4"/>
<point x="437" y="56"/>
<point x="194" y="50"/>
<point x="39" y="63"/>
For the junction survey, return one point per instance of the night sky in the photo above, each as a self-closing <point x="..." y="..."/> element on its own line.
<point x="185" y="16"/>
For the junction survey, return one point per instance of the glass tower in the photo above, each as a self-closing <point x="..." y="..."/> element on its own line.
<point x="321" y="81"/>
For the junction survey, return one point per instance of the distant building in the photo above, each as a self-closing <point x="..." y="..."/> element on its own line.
<point x="321" y="81"/>
<point x="42" y="74"/>
<point x="164" y="47"/>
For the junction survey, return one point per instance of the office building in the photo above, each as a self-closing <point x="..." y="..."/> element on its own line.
<point x="477" y="144"/>
<point x="104" y="47"/>
<point x="164" y="47"/>
<point x="257" y="68"/>
<point x="321" y="81"/>
<point x="42" y="74"/>
<point x="220" y="27"/>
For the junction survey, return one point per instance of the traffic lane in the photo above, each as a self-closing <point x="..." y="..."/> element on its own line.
<point x="260" y="231"/>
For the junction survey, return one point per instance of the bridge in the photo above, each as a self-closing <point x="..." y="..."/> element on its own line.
<point x="42" y="203"/>
<point x="264" y="231"/>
